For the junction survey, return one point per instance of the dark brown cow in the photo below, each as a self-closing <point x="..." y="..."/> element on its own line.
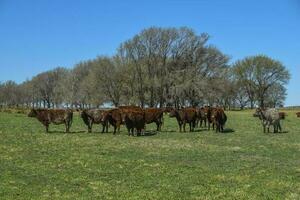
<point x="298" y="114"/>
<point x="219" y="119"/>
<point x="183" y="116"/>
<point x="154" y="115"/>
<point x="134" y="119"/>
<point x="55" y="116"/>
<point x="282" y="115"/>
<point x="94" y="116"/>
<point x="209" y="116"/>
<point x="201" y="117"/>
<point x="113" y="117"/>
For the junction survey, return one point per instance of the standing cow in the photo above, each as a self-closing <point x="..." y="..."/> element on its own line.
<point x="183" y="116"/>
<point x="113" y="117"/>
<point x="154" y="115"/>
<point x="219" y="119"/>
<point x="134" y="119"/>
<point x="94" y="116"/>
<point x="201" y="117"/>
<point x="209" y="112"/>
<point x="269" y="117"/>
<point x="55" y="116"/>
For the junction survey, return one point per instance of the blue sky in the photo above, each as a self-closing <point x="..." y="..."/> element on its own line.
<point x="40" y="35"/>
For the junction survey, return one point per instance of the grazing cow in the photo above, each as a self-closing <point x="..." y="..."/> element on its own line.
<point x="269" y="117"/>
<point x="94" y="116"/>
<point x="183" y="116"/>
<point x="298" y="114"/>
<point x="219" y="119"/>
<point x="113" y="117"/>
<point x="134" y="119"/>
<point x="154" y="115"/>
<point x="201" y="117"/>
<point x="55" y="116"/>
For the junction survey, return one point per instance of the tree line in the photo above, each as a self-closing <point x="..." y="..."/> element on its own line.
<point x="157" y="67"/>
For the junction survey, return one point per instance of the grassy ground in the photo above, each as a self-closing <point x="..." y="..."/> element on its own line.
<point x="241" y="164"/>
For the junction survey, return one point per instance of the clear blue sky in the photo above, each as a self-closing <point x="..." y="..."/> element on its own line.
<point x="39" y="35"/>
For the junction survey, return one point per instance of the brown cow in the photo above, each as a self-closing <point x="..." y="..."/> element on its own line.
<point x="183" y="116"/>
<point x="298" y="114"/>
<point x="201" y="117"/>
<point x="114" y="117"/>
<point x="55" y="116"/>
<point x="154" y="115"/>
<point x="219" y="119"/>
<point x="94" y="116"/>
<point x="282" y="115"/>
<point x="134" y="119"/>
<point x="209" y="116"/>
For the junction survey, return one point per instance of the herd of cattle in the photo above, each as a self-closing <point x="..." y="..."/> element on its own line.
<point x="135" y="118"/>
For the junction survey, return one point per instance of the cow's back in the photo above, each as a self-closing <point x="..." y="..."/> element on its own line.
<point x="153" y="114"/>
<point x="272" y="115"/>
<point x="189" y="114"/>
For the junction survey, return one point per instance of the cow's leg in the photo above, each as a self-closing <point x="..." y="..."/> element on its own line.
<point x="139" y="131"/>
<point x="179" y="126"/>
<point x="160" y="125"/>
<point x="184" y="123"/>
<point x="106" y="126"/>
<point x="129" y="130"/>
<point x="118" y="126"/>
<point x="47" y="128"/>
<point x="103" y="127"/>
<point x="279" y="127"/>
<point x="91" y="127"/>
<point x="205" y="122"/>
<point x="157" y="125"/>
<point x="67" y="127"/>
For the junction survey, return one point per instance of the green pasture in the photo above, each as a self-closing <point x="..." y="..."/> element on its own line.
<point x="243" y="163"/>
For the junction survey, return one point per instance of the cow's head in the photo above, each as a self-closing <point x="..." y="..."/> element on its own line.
<point x="259" y="112"/>
<point x="123" y="116"/>
<point x="32" y="113"/>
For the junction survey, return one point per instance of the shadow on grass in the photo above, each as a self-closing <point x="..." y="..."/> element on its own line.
<point x="149" y="133"/>
<point x="274" y="134"/>
<point x="168" y="131"/>
<point x="228" y="130"/>
<point x="64" y="132"/>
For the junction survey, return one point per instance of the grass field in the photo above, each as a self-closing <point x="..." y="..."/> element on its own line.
<point x="243" y="163"/>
